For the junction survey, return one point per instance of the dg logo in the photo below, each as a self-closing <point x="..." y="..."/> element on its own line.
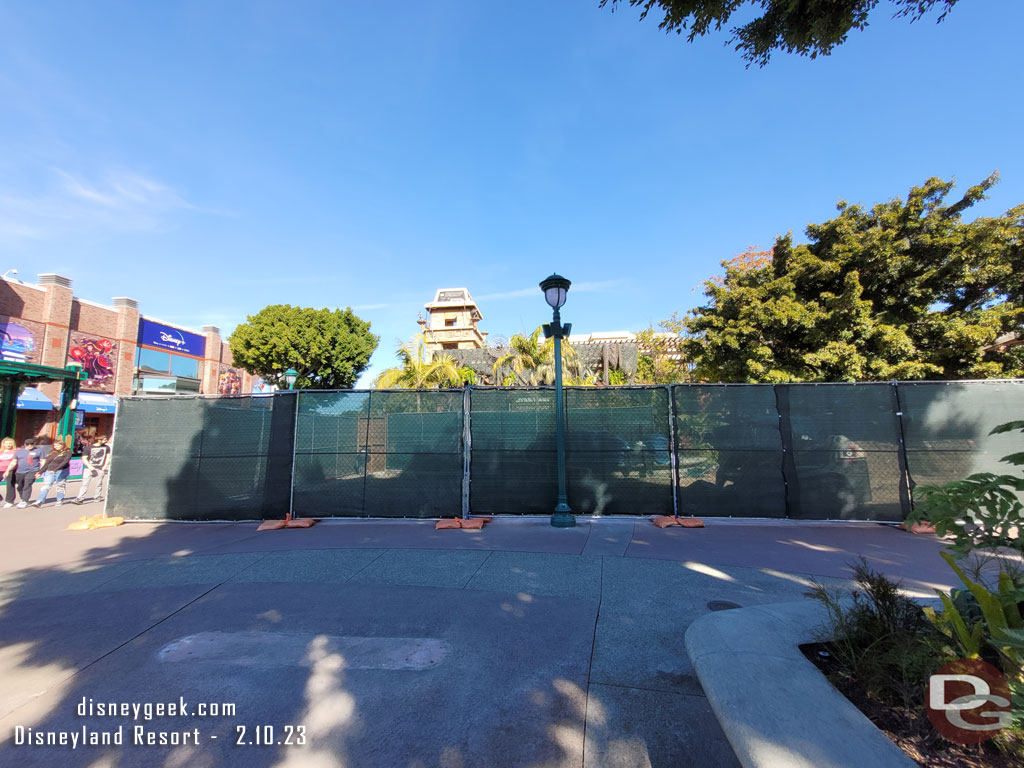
<point x="968" y="701"/>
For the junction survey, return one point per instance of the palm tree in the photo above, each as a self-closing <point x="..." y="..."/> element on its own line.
<point x="420" y="370"/>
<point x="532" y="362"/>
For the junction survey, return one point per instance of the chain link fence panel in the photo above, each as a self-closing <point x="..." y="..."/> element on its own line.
<point x="844" y="440"/>
<point x="191" y="458"/>
<point x="946" y="427"/>
<point x="729" y="451"/>
<point x="837" y="451"/>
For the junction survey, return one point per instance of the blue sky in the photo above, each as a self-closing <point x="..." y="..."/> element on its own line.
<point x="209" y="158"/>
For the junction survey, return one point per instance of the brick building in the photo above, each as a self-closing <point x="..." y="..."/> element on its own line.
<point x="123" y="351"/>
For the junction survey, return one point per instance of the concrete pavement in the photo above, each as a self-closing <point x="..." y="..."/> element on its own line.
<point x="390" y="643"/>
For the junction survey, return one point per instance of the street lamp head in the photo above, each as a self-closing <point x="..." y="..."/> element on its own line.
<point x="555" y="288"/>
<point x="290" y="376"/>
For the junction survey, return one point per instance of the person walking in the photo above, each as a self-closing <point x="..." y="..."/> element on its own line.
<point x="7" y="464"/>
<point x="55" y="471"/>
<point x="95" y="461"/>
<point x="28" y="459"/>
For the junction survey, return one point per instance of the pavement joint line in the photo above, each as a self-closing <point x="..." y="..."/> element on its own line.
<point x="139" y="564"/>
<point x="356" y="573"/>
<point x="482" y="563"/>
<point x="648" y="690"/>
<point x="246" y="568"/>
<point x="590" y="663"/>
<point x="590" y="530"/>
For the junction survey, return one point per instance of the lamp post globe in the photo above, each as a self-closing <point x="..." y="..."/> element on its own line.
<point x="290" y="376"/>
<point x="555" y="290"/>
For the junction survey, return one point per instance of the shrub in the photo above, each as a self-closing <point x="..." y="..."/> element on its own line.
<point x="882" y="638"/>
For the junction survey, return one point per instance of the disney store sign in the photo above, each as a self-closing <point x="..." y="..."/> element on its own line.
<point x="165" y="337"/>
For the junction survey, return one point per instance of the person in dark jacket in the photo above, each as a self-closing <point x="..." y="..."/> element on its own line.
<point x="55" y="469"/>
<point x="96" y="459"/>
<point x="29" y="457"/>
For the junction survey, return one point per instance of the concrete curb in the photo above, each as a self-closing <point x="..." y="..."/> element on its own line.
<point x="775" y="707"/>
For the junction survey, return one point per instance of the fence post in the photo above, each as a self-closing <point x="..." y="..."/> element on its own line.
<point x="673" y="456"/>
<point x="281" y="455"/>
<point x="366" y="449"/>
<point x="467" y="446"/>
<point x="906" y="497"/>
<point x="790" y="478"/>
<point x="295" y="436"/>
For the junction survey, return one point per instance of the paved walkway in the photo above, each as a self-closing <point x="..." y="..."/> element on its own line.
<point x="390" y="643"/>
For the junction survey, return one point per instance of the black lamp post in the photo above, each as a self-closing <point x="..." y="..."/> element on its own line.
<point x="555" y="288"/>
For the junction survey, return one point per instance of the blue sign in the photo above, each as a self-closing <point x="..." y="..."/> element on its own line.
<point x="163" y="336"/>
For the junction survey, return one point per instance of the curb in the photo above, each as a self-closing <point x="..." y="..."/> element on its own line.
<point x="775" y="707"/>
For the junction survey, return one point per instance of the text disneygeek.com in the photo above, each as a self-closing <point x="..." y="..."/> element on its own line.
<point x="135" y="734"/>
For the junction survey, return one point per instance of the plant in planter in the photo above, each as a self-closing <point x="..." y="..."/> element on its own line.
<point x="983" y="516"/>
<point x="882" y="642"/>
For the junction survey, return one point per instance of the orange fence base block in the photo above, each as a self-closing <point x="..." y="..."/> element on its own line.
<point x="288" y="522"/>
<point x="665" y="521"/>
<point x="96" y="521"/>
<point x="469" y="524"/>
<point x="920" y="527"/>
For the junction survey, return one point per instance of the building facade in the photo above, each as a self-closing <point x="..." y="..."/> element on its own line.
<point x="122" y="351"/>
<point x="452" y="322"/>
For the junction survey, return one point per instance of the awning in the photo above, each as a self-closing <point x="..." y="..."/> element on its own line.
<point x="31" y="399"/>
<point x="92" y="402"/>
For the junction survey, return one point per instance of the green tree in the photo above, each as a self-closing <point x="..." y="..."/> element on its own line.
<point x="420" y="370"/>
<point x="808" y="27"/>
<point x="531" y="361"/>
<point x="906" y="290"/>
<point x="661" y="360"/>
<point x="328" y="348"/>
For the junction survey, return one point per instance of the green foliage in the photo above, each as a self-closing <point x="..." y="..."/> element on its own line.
<point x="882" y="638"/>
<point x="420" y="369"/>
<point x="986" y="620"/>
<point x="982" y="511"/>
<point x="617" y="377"/>
<point x="329" y="348"/>
<point x="906" y="290"/>
<point x="531" y="361"/>
<point x="661" y="361"/>
<point x="809" y="28"/>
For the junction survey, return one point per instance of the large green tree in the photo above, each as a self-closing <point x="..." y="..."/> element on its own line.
<point x="328" y="348"/>
<point x="806" y="27"/>
<point x="905" y="290"/>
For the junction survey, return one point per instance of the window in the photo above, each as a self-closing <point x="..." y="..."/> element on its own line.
<point x="450" y="345"/>
<point x="152" y="384"/>
<point x="184" y="366"/>
<point x="153" y="361"/>
<point x="449" y="322"/>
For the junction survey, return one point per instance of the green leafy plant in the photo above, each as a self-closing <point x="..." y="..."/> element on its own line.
<point x="996" y="624"/>
<point x="981" y="512"/>
<point x="983" y="515"/>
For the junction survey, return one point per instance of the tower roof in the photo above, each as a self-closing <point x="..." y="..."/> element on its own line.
<point x="453" y="298"/>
